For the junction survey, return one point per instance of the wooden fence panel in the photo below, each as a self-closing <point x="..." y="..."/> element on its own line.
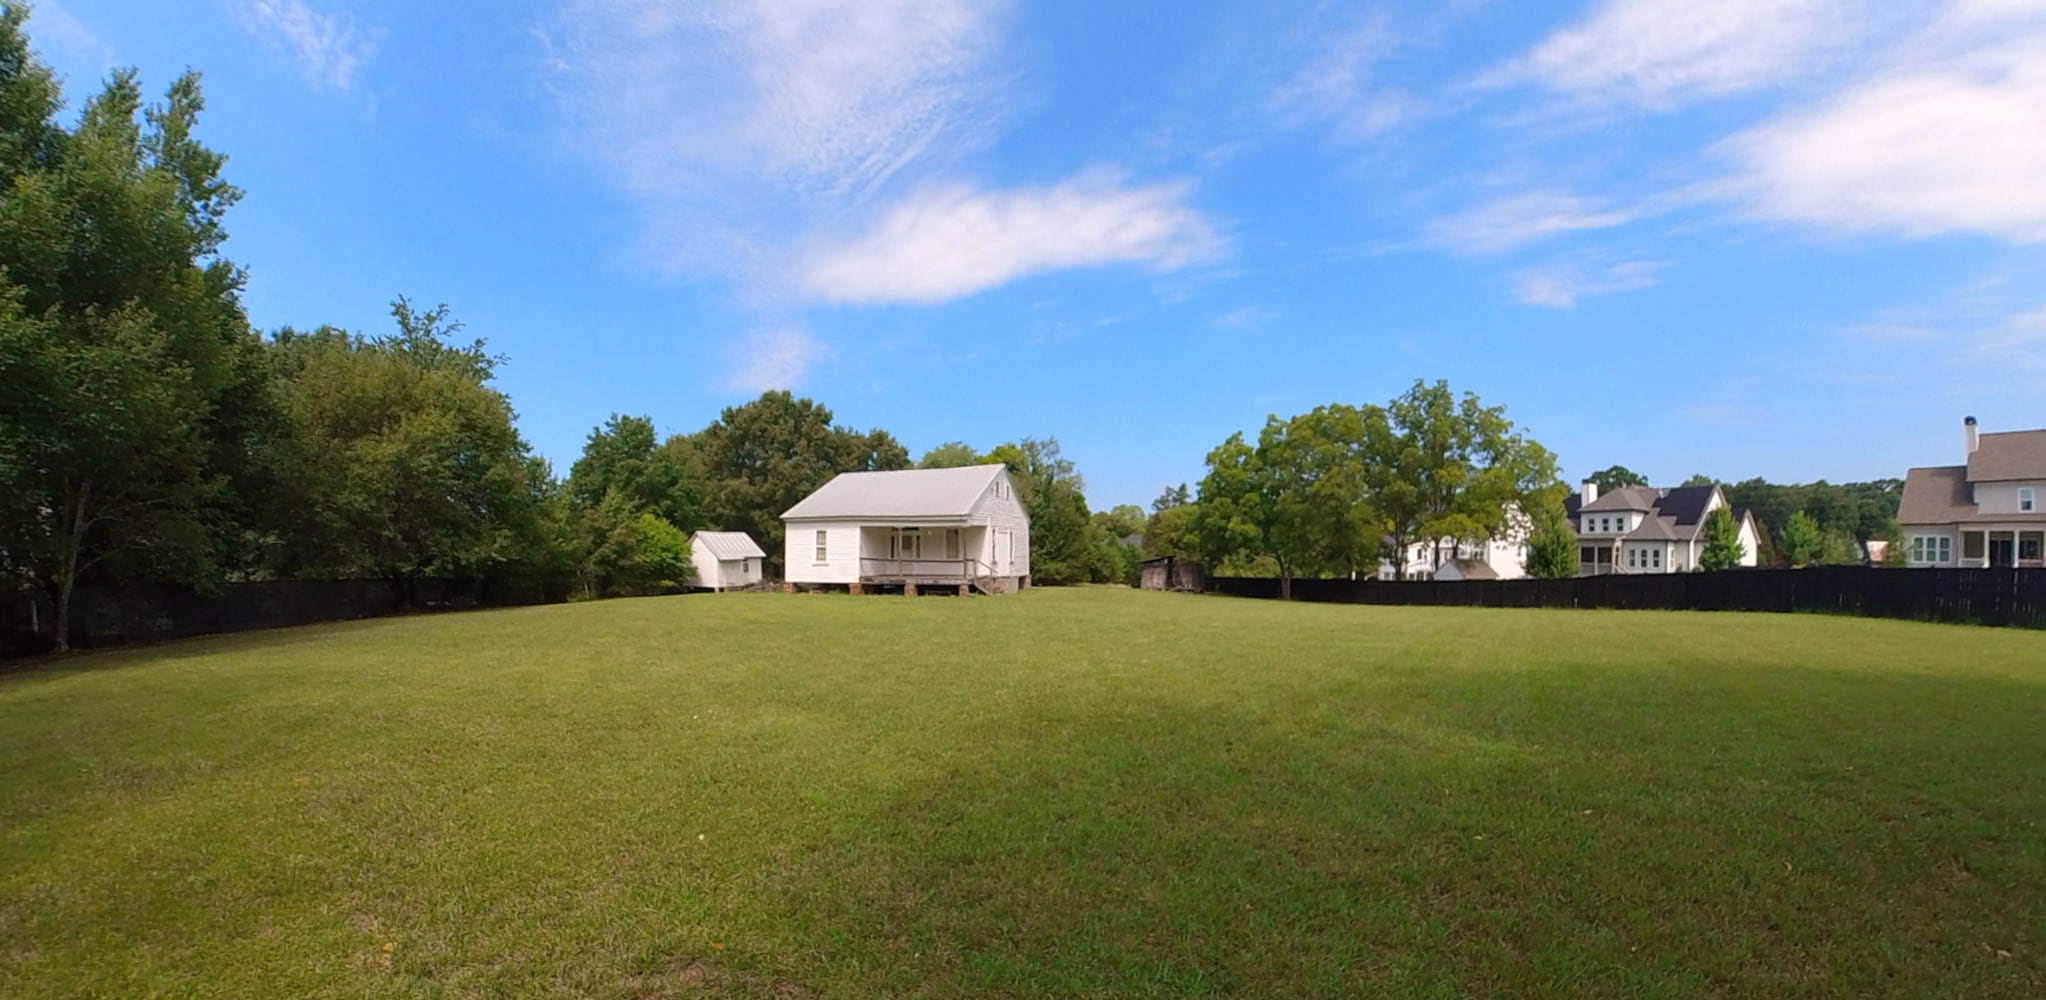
<point x="1997" y="597"/>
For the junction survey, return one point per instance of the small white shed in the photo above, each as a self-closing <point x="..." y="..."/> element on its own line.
<point x="725" y="560"/>
<point x="915" y="528"/>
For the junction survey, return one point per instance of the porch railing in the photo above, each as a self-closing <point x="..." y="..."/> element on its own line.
<point x="971" y="572"/>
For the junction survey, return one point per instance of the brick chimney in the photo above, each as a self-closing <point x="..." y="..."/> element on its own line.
<point x="1974" y="436"/>
<point x="1590" y="493"/>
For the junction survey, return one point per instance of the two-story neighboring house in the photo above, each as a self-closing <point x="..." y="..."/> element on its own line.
<point x="1642" y="529"/>
<point x="1990" y="512"/>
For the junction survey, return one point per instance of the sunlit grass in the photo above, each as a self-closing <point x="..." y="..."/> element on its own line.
<point x="1066" y="792"/>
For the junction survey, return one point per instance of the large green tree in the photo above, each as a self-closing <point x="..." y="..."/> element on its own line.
<point x="757" y="460"/>
<point x="132" y="380"/>
<point x="401" y="459"/>
<point x="1447" y="466"/>
<point x="625" y="456"/>
<point x="1301" y="497"/>
<point x="1062" y="547"/>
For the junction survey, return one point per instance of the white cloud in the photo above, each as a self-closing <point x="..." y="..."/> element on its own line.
<point x="949" y="241"/>
<point x="64" y="33"/>
<point x="1662" y="53"/>
<point x="1561" y="285"/>
<point x="1245" y="318"/>
<point x="326" y="46"/>
<point x="741" y="124"/>
<point x="1337" y="84"/>
<point x="2018" y="344"/>
<point x="775" y="359"/>
<point x="1515" y="221"/>
<point x="1939" y="142"/>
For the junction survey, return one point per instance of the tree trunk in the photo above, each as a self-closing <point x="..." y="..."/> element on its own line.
<point x="1285" y="584"/>
<point x="67" y="578"/>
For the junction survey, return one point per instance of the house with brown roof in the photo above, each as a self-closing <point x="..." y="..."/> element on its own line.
<point x="1988" y="513"/>
<point x="1643" y="529"/>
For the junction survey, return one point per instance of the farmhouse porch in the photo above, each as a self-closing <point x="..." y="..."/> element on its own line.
<point x="917" y="557"/>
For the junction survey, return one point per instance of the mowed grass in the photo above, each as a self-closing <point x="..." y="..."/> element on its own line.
<point x="1061" y="793"/>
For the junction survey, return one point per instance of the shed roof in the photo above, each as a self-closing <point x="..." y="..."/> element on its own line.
<point x="2008" y="455"/>
<point x="905" y="493"/>
<point x="725" y="546"/>
<point x="1474" y="569"/>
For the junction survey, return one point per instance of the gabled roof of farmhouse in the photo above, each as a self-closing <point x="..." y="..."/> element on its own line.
<point x="2008" y="455"/>
<point x="906" y="493"/>
<point x="725" y="546"/>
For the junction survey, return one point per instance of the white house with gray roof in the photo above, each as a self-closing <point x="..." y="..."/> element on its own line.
<point x="1988" y="513"/>
<point x="1643" y="529"/>
<point x="725" y="560"/>
<point x="916" y="528"/>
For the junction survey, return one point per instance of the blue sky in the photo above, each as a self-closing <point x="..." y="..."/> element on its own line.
<point x="1790" y="238"/>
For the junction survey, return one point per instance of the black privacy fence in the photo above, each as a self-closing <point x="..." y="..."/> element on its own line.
<point x="2002" y="597"/>
<point x="108" y="616"/>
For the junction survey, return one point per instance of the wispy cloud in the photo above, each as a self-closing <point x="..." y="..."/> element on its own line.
<point x="1563" y="284"/>
<point x="1337" y="85"/>
<point x="740" y="125"/>
<point x="952" y="240"/>
<point x="57" y="28"/>
<point x="1246" y="318"/>
<point x="1658" y="54"/>
<point x="327" y="47"/>
<point x="1941" y="141"/>
<point x="1517" y="220"/>
<point x="775" y="359"/>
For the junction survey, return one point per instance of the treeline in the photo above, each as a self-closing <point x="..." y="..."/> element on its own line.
<point x="149" y="434"/>
<point x="1336" y="491"/>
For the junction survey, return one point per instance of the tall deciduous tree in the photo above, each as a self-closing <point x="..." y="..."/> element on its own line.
<point x="625" y="456"/>
<point x="1445" y="466"/>
<point x="1722" y="541"/>
<point x="759" y="459"/>
<point x="1301" y="496"/>
<point x="132" y="380"/>
<point x="401" y="459"/>
<point x="1054" y="494"/>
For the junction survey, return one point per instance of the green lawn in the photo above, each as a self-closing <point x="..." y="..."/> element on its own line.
<point x="1061" y="793"/>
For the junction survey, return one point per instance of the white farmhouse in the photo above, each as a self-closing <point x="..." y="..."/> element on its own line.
<point x="725" y="560"/>
<point x="918" y="528"/>
<point x="1989" y="513"/>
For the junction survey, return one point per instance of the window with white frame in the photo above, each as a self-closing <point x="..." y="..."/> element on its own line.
<point x="1654" y="558"/>
<point x="822" y="557"/>
<point x="1931" y="549"/>
<point x="2028" y="501"/>
<point x="952" y="543"/>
